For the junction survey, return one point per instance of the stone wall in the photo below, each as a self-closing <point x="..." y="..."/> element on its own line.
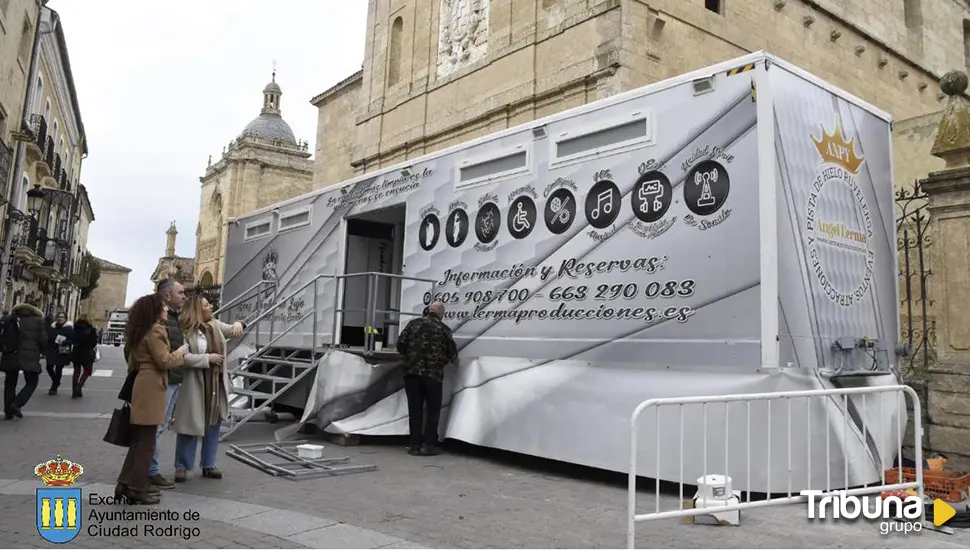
<point x="912" y="140"/>
<point x="836" y="50"/>
<point x="247" y="178"/>
<point x="111" y="293"/>
<point x="14" y="64"/>
<point x="336" y="127"/>
<point x="418" y="93"/>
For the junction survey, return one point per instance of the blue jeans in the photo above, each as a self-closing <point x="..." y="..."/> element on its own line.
<point x="171" y="395"/>
<point x="186" y="445"/>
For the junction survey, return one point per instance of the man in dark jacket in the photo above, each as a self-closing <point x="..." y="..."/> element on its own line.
<point x="31" y="344"/>
<point x="427" y="346"/>
<point x="59" y="346"/>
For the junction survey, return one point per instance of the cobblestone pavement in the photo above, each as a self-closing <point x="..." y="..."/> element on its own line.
<point x="466" y="498"/>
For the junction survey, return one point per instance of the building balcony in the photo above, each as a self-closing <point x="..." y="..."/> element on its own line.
<point x="54" y="255"/>
<point x="44" y="165"/>
<point x="36" y="147"/>
<point x="26" y="251"/>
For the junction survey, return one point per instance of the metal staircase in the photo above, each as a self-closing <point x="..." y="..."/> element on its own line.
<point x="262" y="378"/>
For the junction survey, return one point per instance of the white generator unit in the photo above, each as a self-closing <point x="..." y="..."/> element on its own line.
<point x="714" y="491"/>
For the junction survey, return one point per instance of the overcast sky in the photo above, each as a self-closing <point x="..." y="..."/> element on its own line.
<point x="163" y="85"/>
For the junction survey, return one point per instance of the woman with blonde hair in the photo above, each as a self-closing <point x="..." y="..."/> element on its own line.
<point x="203" y="400"/>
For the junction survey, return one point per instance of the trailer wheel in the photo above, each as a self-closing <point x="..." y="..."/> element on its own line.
<point x="117" y="344"/>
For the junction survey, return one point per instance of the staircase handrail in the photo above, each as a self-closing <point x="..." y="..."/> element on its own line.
<point x="289" y="297"/>
<point x="238" y="299"/>
<point x="259" y="353"/>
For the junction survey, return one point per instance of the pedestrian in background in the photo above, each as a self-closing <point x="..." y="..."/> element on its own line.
<point x="150" y="356"/>
<point x="427" y="346"/>
<point x="23" y="335"/>
<point x="59" y="349"/>
<point x="203" y="400"/>
<point x="85" y="346"/>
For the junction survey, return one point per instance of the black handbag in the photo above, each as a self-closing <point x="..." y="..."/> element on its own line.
<point x="128" y="387"/>
<point x="119" y="429"/>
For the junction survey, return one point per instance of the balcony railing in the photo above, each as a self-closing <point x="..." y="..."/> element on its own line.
<point x="33" y="235"/>
<point x="55" y="256"/>
<point x="49" y="152"/>
<point x="39" y="124"/>
<point x="56" y="167"/>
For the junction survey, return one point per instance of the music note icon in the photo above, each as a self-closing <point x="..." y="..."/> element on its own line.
<point x="604" y="204"/>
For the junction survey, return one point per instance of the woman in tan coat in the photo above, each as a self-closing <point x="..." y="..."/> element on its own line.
<point x="151" y="358"/>
<point x="203" y="400"/>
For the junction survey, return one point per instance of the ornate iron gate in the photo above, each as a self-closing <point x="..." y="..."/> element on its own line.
<point x="914" y="247"/>
<point x="210" y="293"/>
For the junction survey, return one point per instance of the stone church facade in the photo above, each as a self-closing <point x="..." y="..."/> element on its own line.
<point x="264" y="165"/>
<point x="440" y="72"/>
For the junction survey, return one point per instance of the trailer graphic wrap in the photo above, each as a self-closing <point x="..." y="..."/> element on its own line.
<point x="837" y="240"/>
<point x="838" y="224"/>
<point x="609" y="255"/>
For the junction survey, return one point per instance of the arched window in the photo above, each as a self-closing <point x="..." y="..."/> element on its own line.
<point x="47" y="111"/>
<point x="394" y="52"/>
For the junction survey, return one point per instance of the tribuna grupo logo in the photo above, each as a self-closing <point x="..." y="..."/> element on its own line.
<point x="893" y="512"/>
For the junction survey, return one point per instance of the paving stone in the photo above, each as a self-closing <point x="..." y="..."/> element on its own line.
<point x="227" y="510"/>
<point x="343" y="536"/>
<point x="403" y="544"/>
<point x="283" y="523"/>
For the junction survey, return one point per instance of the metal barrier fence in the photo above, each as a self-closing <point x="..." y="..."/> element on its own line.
<point x="871" y="435"/>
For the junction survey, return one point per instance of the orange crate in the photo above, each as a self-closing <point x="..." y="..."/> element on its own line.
<point x="949" y="486"/>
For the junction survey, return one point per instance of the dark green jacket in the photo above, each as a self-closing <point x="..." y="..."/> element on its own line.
<point x="427" y="346"/>
<point x="175" y="341"/>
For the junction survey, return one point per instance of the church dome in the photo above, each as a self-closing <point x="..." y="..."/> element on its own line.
<point x="273" y="87"/>
<point x="270" y="124"/>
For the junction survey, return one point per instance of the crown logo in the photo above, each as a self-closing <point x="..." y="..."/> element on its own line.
<point x="836" y="150"/>
<point x="58" y="472"/>
<point x="271" y="257"/>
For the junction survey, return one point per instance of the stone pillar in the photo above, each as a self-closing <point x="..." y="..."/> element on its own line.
<point x="948" y="397"/>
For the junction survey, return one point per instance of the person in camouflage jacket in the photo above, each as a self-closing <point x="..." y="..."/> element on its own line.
<point x="427" y="346"/>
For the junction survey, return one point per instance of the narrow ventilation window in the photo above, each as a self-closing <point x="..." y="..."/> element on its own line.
<point x="257" y="230"/>
<point x="471" y="172"/>
<point x="598" y="141"/>
<point x="913" y="14"/>
<point x="966" y="43"/>
<point x="714" y="6"/>
<point x="294" y="220"/>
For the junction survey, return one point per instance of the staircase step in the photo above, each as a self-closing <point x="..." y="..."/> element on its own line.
<point x="296" y="362"/>
<point x="261" y="376"/>
<point x="251" y="393"/>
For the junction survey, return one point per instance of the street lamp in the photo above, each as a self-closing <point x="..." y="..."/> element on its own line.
<point x="35" y="198"/>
